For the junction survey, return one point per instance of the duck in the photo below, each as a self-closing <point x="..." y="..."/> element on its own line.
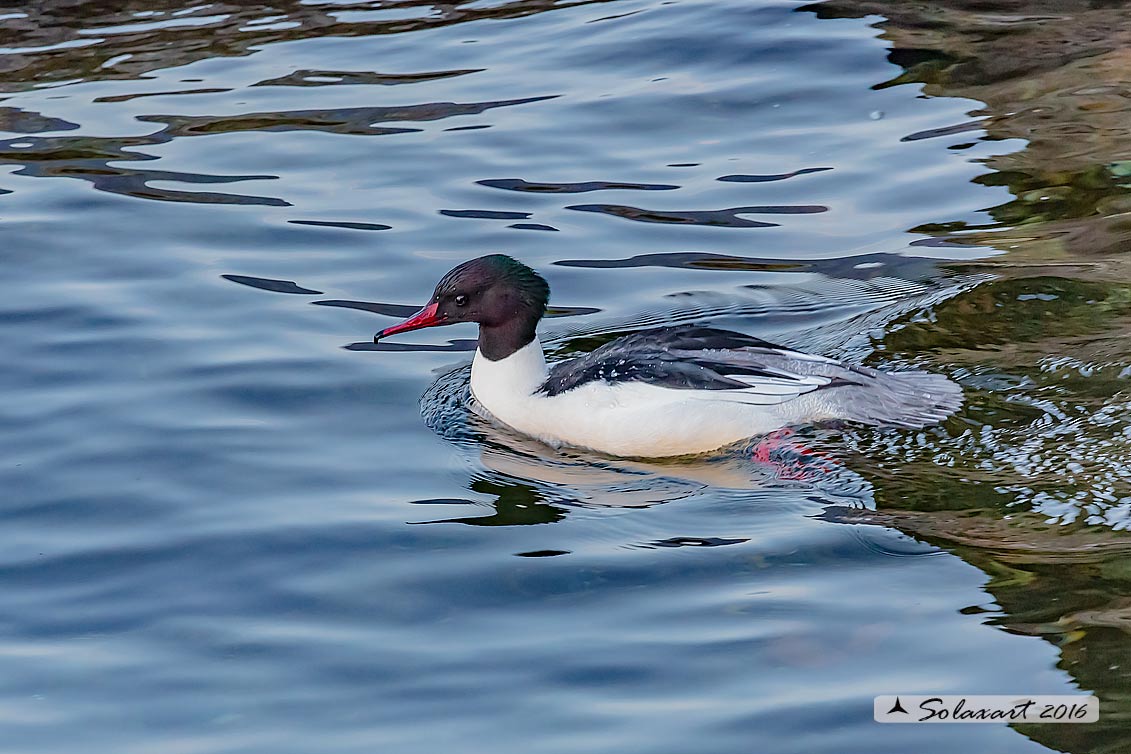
<point x="679" y="390"/>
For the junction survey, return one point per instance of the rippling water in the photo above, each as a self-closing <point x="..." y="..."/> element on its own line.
<point x="233" y="524"/>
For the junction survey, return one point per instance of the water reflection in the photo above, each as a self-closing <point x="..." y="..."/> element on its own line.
<point x="341" y="224"/>
<point x="89" y="159"/>
<point x="306" y="77"/>
<point x="533" y="226"/>
<point x="862" y="266"/>
<point x="745" y="178"/>
<point x="357" y="121"/>
<point x="104" y="42"/>
<point x="719" y="218"/>
<point x="122" y="43"/>
<point x="518" y="184"/>
<point x="1067" y="98"/>
<point x="275" y="286"/>
<point x="514" y="504"/>
<point x="14" y="120"/>
<point x="1069" y="588"/>
<point x="375" y="307"/>
<point x="1029" y="484"/>
<point x="1045" y="361"/>
<point x="485" y="214"/>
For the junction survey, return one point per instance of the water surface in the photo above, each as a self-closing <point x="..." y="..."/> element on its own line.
<point x="229" y="528"/>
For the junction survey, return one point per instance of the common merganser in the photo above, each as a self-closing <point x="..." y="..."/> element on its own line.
<point x="666" y="391"/>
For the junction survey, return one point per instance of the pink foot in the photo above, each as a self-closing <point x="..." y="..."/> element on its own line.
<point x="796" y="469"/>
<point x="772" y="442"/>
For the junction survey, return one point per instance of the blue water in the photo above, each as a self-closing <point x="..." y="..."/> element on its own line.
<point x="224" y="532"/>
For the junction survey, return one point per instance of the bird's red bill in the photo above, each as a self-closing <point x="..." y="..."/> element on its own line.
<point x="426" y="317"/>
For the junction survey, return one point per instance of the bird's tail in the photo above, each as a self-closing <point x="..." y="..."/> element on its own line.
<point x="909" y="399"/>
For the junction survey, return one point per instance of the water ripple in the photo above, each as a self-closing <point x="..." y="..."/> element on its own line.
<point x="743" y="178"/>
<point x="518" y="184"/>
<point x="268" y="284"/>
<point x="89" y="159"/>
<point x="15" y="120"/>
<point x="341" y="224"/>
<point x="309" y="77"/>
<point x="863" y="266"/>
<point x="723" y="218"/>
<point x="485" y="214"/>
<point x="348" y="120"/>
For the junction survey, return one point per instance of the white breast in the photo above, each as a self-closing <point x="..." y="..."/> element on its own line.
<point x="505" y="386"/>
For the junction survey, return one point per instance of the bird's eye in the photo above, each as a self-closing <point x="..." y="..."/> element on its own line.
<point x="460" y="300"/>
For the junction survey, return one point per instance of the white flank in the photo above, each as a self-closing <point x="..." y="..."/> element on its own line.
<point x="627" y="418"/>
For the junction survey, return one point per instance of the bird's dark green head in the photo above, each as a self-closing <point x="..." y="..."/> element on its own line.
<point x="490" y="290"/>
<point x="502" y="294"/>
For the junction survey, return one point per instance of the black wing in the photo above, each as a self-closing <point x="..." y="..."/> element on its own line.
<point x="687" y="357"/>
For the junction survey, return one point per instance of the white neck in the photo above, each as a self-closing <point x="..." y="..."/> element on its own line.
<point x="500" y="386"/>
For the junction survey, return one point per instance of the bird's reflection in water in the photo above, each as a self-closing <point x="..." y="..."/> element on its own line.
<point x="515" y="504"/>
